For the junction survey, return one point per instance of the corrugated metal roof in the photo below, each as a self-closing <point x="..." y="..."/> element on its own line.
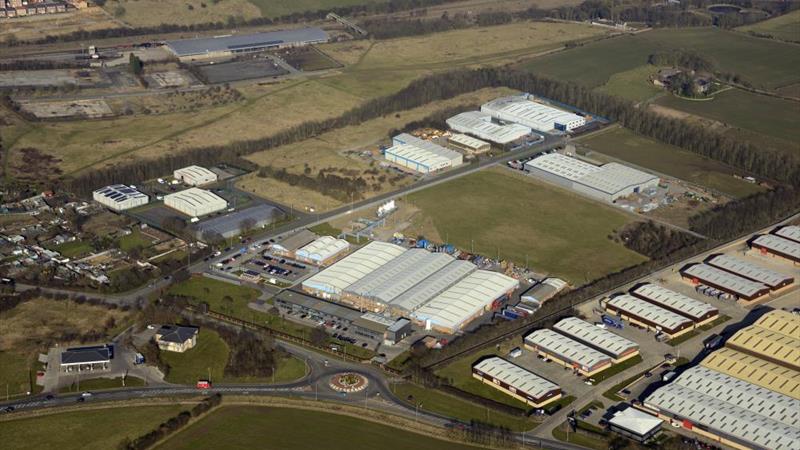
<point x="648" y="311"/>
<point x="748" y="270"/>
<point x="480" y="124"/>
<point x="781" y="321"/>
<point x="610" y="178"/>
<point x="791" y="232"/>
<point x="755" y="370"/>
<point x="353" y="267"/>
<point x="189" y="47"/>
<point x="516" y="377"/>
<point x="688" y="306"/>
<point x="456" y="305"/>
<point x="777" y="346"/>
<point x="323" y="248"/>
<point x="601" y="340"/>
<point x="118" y="193"/>
<point x="467" y="141"/>
<point x="779" y="244"/>
<point x="432" y="286"/>
<point x="197" y="197"/>
<point x="718" y="277"/>
<point x="529" y="113"/>
<point x="567" y="349"/>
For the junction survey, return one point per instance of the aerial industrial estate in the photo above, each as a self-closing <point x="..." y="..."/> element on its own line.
<point x="399" y="225"/>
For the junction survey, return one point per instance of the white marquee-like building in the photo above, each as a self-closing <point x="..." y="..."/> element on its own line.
<point x="538" y="116"/>
<point x="195" y="202"/>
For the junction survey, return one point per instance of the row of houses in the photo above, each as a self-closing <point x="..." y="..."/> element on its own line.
<point x="20" y="8"/>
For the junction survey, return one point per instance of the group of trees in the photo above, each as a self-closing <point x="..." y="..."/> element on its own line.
<point x="171" y="425"/>
<point x="341" y="188"/>
<point x="683" y="58"/>
<point x="654" y="240"/>
<point x="252" y="355"/>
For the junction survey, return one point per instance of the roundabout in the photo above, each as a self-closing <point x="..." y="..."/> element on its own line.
<point x="348" y="382"/>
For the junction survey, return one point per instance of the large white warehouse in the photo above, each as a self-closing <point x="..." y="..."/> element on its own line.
<point x="195" y="202"/>
<point x="608" y="182"/>
<point x="330" y="282"/>
<point x="119" y="197"/>
<point x="420" y="155"/>
<point x="480" y="125"/>
<point x="195" y="175"/>
<point x="541" y="117"/>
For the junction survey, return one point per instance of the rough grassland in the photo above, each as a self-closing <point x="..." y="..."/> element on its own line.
<point x="139" y="13"/>
<point x="292" y="429"/>
<point x="32" y="326"/>
<point x="765" y="63"/>
<point x="759" y="113"/>
<point x="33" y="27"/>
<point x="785" y="27"/>
<point x="275" y="8"/>
<point x="71" y="430"/>
<point x="561" y="233"/>
<point x="623" y="144"/>
<point x="633" y="84"/>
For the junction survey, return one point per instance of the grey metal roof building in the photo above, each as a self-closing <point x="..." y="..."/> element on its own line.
<point x="571" y="352"/>
<point x="221" y="45"/>
<point x="421" y="155"/>
<point x="86" y="355"/>
<point x="176" y="333"/>
<point x="516" y="380"/>
<point x="119" y="197"/>
<point x="694" y="408"/>
<point x="676" y="302"/>
<point x="480" y="125"/>
<point x="520" y="109"/>
<point x="790" y="232"/>
<point x="355" y="266"/>
<point x="397" y="276"/>
<point x="725" y="281"/>
<point x="432" y="286"/>
<point x="195" y="202"/>
<point x="230" y="225"/>
<point x="648" y="314"/>
<point x="752" y="272"/>
<point x="599" y="339"/>
<point x="777" y="245"/>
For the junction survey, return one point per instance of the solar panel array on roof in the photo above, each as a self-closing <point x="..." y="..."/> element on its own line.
<point x="516" y="377"/>
<point x="720" y="279"/>
<point x="750" y="271"/>
<point x="601" y="340"/>
<point x="682" y="304"/>
<point x="729" y="419"/>
<point x="658" y="316"/>
<point x="566" y="349"/>
<point x="119" y="197"/>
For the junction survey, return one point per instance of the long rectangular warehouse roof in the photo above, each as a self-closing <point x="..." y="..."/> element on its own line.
<point x="188" y="47"/>
<point x="750" y="271"/>
<point x="729" y="419"/>
<point x="432" y="286"/>
<point x="569" y="350"/>
<point x="755" y="370"/>
<point x="424" y="156"/>
<point x="790" y="232"/>
<point x="657" y="315"/>
<point x="767" y="344"/>
<point x="610" y="178"/>
<point x="322" y="248"/>
<point x="601" y="340"/>
<point x="563" y="166"/>
<point x="480" y="125"/>
<point x="353" y="267"/>
<point x="780" y="245"/>
<point x="516" y="377"/>
<point x="467" y="298"/>
<point x="721" y="279"/>
<point x="399" y="275"/>
<point x="426" y="147"/>
<point x="746" y="395"/>
<point x="529" y="113"/>
<point x="677" y="302"/>
<point x="781" y="321"/>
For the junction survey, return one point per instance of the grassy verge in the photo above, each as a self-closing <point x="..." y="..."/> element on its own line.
<point x="74" y="249"/>
<point x="206" y="359"/>
<point x="445" y="404"/>
<point x="580" y="439"/>
<point x="698" y="331"/>
<point x="617" y="368"/>
<point x="98" y="384"/>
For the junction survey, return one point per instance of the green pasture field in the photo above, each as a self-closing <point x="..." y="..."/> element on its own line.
<point x="771" y="116"/>
<point x="206" y="359"/>
<point x="785" y="27"/>
<point x="69" y="430"/>
<point x="765" y="63"/>
<point x="554" y="230"/>
<point x="633" y="84"/>
<point x="292" y="429"/>
<point x="624" y="144"/>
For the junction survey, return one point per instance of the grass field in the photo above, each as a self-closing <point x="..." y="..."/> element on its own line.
<point x="140" y="13"/>
<point x="31" y="327"/>
<point x="69" y="430"/>
<point x="758" y="113"/>
<point x="785" y="27"/>
<point x="206" y="359"/>
<point x="633" y="84"/>
<point x="288" y="429"/>
<point x="624" y="144"/>
<point x="135" y="240"/>
<point x="97" y="384"/>
<point x="558" y="232"/>
<point x="441" y="403"/>
<point x="34" y="27"/>
<point x="74" y="249"/>
<point x="765" y="63"/>
<point x="276" y="8"/>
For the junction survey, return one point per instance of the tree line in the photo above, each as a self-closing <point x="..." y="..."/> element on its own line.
<point x="654" y="240"/>
<point x="171" y="425"/>
<point x="341" y="188"/>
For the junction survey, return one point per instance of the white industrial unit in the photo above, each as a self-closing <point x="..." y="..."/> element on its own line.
<point x="195" y="175"/>
<point x="480" y="125"/>
<point x="323" y="250"/>
<point x="541" y="117"/>
<point x="469" y="143"/>
<point x="607" y="183"/>
<point x="120" y="197"/>
<point x="420" y="155"/>
<point x="195" y="202"/>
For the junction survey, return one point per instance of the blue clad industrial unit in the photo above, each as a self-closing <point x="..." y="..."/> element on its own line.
<point x="229" y="45"/>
